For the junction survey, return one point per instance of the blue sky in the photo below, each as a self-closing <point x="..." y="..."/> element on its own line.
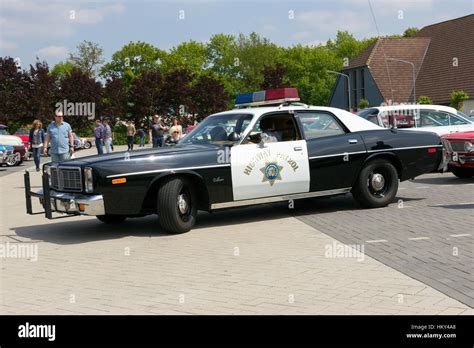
<point x="50" y="29"/>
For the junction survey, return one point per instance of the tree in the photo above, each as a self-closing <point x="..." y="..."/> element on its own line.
<point x="423" y="99"/>
<point x="273" y="77"/>
<point x="145" y="95"/>
<point x="115" y="101"/>
<point x="132" y="60"/>
<point x="214" y="99"/>
<point x="363" y="104"/>
<point x="80" y="88"/>
<point x="410" y="32"/>
<point x="458" y="98"/>
<point x="177" y="91"/>
<point x="190" y="55"/>
<point x="88" y="58"/>
<point x="42" y="93"/>
<point x="14" y="91"/>
<point x="62" y="69"/>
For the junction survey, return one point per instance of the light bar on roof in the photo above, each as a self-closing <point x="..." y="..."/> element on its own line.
<point x="268" y="97"/>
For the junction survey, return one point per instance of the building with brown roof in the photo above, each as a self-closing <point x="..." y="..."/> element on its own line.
<point x="437" y="61"/>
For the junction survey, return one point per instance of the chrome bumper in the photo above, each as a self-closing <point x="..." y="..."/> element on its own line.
<point x="73" y="203"/>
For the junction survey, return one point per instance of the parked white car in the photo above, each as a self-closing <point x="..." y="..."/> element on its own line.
<point x="430" y="118"/>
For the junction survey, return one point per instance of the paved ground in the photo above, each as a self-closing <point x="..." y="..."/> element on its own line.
<point x="263" y="260"/>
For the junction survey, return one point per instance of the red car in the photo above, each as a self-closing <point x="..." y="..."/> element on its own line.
<point x="24" y="135"/>
<point x="460" y="147"/>
<point x="22" y="149"/>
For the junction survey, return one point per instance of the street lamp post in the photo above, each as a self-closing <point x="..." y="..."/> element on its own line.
<point x="348" y="85"/>
<point x="413" y="68"/>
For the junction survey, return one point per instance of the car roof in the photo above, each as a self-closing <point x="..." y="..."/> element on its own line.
<point x="414" y="106"/>
<point x="353" y="122"/>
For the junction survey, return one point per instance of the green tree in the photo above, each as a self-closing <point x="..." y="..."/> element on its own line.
<point x="410" y="32"/>
<point x="423" y="99"/>
<point x="132" y="60"/>
<point x="190" y="55"/>
<point x="62" y="69"/>
<point x="88" y="57"/>
<point x="458" y="98"/>
<point x="214" y="100"/>
<point x="363" y="104"/>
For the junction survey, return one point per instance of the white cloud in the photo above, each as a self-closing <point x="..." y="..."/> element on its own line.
<point x="58" y="52"/>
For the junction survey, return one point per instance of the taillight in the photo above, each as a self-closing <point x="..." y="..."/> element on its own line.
<point x="432" y="150"/>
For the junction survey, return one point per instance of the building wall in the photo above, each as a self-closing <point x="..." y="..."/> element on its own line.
<point x="364" y="87"/>
<point x="468" y="106"/>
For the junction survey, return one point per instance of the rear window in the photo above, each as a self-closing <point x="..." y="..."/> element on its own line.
<point x="368" y="112"/>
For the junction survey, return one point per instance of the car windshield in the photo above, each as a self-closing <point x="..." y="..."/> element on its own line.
<point x="466" y="117"/>
<point x="216" y="129"/>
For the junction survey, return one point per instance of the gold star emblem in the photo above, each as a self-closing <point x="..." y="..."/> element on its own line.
<point x="271" y="172"/>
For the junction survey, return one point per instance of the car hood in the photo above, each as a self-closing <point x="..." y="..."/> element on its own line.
<point x="10" y="140"/>
<point x="460" y="135"/>
<point x="167" y="150"/>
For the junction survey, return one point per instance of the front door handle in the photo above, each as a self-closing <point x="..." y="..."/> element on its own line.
<point x="352" y="141"/>
<point x="298" y="148"/>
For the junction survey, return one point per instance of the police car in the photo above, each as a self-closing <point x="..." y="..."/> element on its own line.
<point x="269" y="148"/>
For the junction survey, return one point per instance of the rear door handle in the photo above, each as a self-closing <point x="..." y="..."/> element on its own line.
<point x="352" y="141"/>
<point x="298" y="148"/>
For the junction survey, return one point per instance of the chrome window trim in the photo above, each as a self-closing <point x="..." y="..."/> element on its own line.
<point x="168" y="170"/>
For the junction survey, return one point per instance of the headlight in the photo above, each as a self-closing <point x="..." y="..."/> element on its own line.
<point x="88" y="181"/>
<point x="468" y="147"/>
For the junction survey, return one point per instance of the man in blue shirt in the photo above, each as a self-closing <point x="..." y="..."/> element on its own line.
<point x="61" y="139"/>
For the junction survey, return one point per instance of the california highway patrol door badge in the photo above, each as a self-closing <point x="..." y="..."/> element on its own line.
<point x="271" y="172"/>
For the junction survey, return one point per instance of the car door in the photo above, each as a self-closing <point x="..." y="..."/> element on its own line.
<point x="335" y="155"/>
<point x="271" y="168"/>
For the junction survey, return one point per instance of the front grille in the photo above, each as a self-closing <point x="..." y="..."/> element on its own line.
<point x="457" y="146"/>
<point x="66" y="179"/>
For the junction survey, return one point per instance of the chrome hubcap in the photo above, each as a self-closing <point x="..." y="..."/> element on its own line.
<point x="182" y="204"/>
<point x="377" y="182"/>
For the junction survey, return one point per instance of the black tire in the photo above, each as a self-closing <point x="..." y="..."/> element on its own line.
<point x="377" y="184"/>
<point x="111" y="219"/>
<point x="87" y="145"/>
<point x="176" y="205"/>
<point x="463" y="173"/>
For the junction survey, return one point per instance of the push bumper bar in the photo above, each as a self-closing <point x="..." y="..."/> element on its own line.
<point x="62" y="202"/>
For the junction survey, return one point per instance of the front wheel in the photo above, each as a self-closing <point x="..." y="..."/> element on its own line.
<point x="87" y="145"/>
<point x="176" y="205"/>
<point x="463" y="173"/>
<point x="111" y="219"/>
<point x="377" y="184"/>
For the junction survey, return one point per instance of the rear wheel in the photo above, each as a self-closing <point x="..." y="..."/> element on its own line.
<point x="463" y="173"/>
<point x="377" y="184"/>
<point x="176" y="205"/>
<point x="111" y="219"/>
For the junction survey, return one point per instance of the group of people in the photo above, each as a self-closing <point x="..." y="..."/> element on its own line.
<point x="60" y="140"/>
<point x="103" y="136"/>
<point x="158" y="128"/>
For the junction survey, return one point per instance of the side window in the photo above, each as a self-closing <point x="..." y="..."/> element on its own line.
<point x="454" y="120"/>
<point x="274" y="128"/>
<point x="432" y="118"/>
<point x="320" y="124"/>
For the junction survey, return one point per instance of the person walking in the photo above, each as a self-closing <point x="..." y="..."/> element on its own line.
<point x="157" y="131"/>
<point x="36" y="139"/>
<point x="99" y="133"/>
<point x="141" y="133"/>
<point x="59" y="135"/>
<point x="107" y="136"/>
<point x="131" y="131"/>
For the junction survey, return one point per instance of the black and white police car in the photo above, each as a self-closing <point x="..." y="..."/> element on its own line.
<point x="269" y="148"/>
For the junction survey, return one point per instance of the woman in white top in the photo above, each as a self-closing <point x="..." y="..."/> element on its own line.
<point x="176" y="127"/>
